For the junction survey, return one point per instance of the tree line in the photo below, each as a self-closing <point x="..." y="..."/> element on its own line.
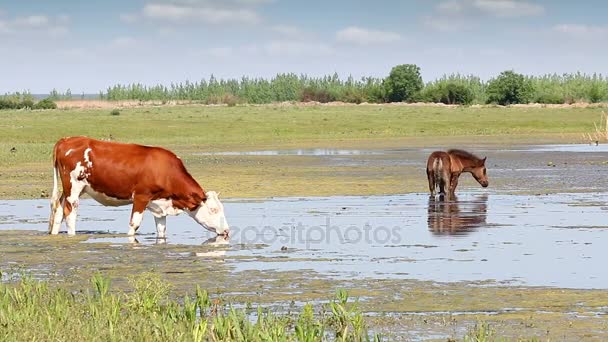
<point x="403" y="84"/>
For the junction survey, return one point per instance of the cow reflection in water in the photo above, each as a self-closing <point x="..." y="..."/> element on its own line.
<point x="453" y="217"/>
<point x="216" y="247"/>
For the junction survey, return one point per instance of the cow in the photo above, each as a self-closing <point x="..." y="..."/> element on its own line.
<point x="116" y="174"/>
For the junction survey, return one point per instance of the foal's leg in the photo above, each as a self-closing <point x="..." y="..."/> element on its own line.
<point x="430" y="174"/>
<point x="454" y="184"/>
<point x="445" y="177"/>
<point x="140" y="202"/>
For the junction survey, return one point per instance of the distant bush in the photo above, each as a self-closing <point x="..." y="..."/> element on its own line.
<point x="509" y="88"/>
<point x="17" y="101"/>
<point x="598" y="92"/>
<point x="115" y="112"/>
<point x="318" y="95"/>
<point x="403" y="83"/>
<point x="549" y="98"/>
<point x="45" y="104"/>
<point x="447" y="93"/>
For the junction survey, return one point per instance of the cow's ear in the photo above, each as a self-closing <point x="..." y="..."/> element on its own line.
<point x="218" y="194"/>
<point x="483" y="162"/>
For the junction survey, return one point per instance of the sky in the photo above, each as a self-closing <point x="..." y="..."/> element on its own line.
<point x="87" y="46"/>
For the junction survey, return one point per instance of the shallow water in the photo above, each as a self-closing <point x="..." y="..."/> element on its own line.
<point x="293" y="152"/>
<point x="549" y="240"/>
<point x="571" y="148"/>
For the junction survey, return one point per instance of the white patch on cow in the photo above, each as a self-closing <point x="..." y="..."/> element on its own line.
<point x="68" y="152"/>
<point x="105" y="199"/>
<point x="136" y="219"/>
<point x="77" y="186"/>
<point x="86" y="157"/>
<point x="78" y="183"/>
<point x="163" y="207"/>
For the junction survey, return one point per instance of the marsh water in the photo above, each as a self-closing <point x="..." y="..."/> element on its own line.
<point x="548" y="240"/>
<point x="499" y="236"/>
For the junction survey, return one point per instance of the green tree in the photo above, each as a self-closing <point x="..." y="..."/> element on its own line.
<point x="509" y="88"/>
<point x="403" y="82"/>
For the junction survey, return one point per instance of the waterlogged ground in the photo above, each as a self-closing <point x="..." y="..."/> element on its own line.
<point x="522" y="255"/>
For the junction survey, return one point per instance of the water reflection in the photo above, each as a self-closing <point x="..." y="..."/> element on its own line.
<point x="454" y="217"/>
<point x="217" y="247"/>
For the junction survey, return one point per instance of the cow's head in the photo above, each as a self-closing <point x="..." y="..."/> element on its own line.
<point x="210" y="214"/>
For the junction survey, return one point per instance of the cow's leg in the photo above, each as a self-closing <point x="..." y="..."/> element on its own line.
<point x="57" y="215"/>
<point x="161" y="226"/>
<point x="140" y="202"/>
<point x="70" y="207"/>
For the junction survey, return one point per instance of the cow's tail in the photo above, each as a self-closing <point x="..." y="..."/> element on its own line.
<point x="55" y="193"/>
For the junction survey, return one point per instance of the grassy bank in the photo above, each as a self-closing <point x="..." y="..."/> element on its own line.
<point x="27" y="137"/>
<point x="35" y="311"/>
<point x="399" y="309"/>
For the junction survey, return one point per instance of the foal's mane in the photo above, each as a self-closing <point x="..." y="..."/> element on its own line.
<point x="465" y="155"/>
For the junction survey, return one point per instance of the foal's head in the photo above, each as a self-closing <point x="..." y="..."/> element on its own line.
<point x="473" y="164"/>
<point x="479" y="172"/>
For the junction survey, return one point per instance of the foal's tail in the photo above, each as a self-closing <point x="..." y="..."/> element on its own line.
<point x="438" y="170"/>
<point x="55" y="194"/>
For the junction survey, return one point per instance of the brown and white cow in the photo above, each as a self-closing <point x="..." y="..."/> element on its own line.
<point x="117" y="174"/>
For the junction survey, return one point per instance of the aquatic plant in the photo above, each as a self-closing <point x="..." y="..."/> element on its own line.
<point x="35" y="310"/>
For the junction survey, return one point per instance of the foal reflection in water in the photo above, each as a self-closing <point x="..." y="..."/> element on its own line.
<point x="456" y="218"/>
<point x="444" y="168"/>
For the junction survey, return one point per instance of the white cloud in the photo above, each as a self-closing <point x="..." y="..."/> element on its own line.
<point x="209" y="15"/>
<point x="362" y="36"/>
<point x="123" y="42"/>
<point x="456" y="15"/>
<point x="129" y="18"/>
<point x="292" y="48"/>
<point x="287" y="30"/>
<point x="220" y="52"/>
<point x="216" y="3"/>
<point x="53" y="26"/>
<point x="509" y="8"/>
<point x="446" y="23"/>
<point x="496" y="8"/>
<point x="4" y="28"/>
<point x="582" y="31"/>
<point x="451" y="6"/>
<point x="32" y="21"/>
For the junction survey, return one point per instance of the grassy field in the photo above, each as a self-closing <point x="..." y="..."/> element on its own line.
<point x="27" y="137"/>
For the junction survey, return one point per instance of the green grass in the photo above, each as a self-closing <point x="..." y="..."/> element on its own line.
<point x="25" y="171"/>
<point x="31" y="310"/>
<point x="246" y="126"/>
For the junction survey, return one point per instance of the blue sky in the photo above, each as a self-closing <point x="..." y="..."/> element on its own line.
<point x="87" y="46"/>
